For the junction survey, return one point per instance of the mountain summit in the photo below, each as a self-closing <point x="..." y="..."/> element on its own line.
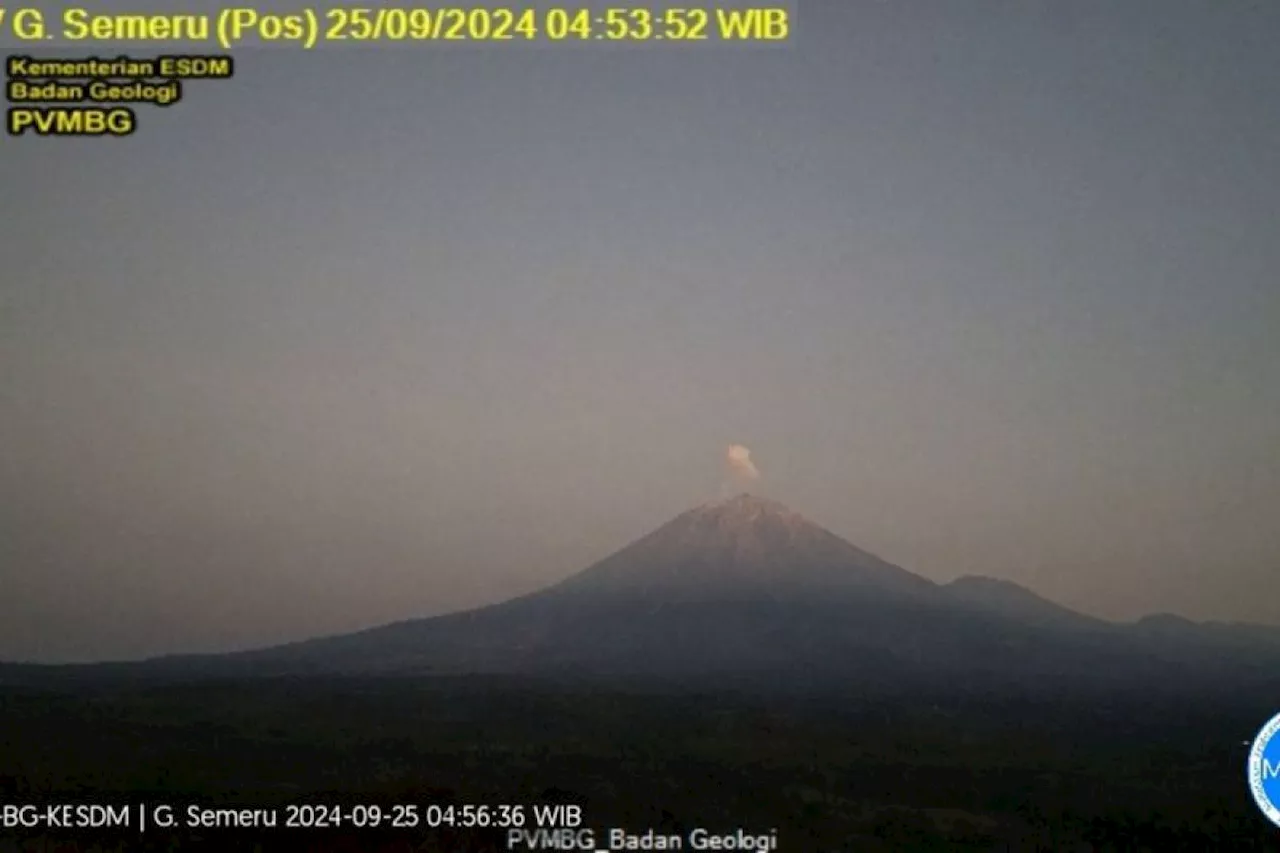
<point x="742" y="546"/>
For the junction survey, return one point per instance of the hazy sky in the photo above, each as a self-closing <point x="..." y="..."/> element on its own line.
<point x="986" y="287"/>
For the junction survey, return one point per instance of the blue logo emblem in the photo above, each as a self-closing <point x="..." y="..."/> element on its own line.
<point x="1264" y="770"/>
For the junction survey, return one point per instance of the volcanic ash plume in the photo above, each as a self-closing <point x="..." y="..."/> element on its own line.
<point x="741" y="469"/>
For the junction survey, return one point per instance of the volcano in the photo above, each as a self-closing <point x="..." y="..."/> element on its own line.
<point x="748" y="592"/>
<point x="737" y="588"/>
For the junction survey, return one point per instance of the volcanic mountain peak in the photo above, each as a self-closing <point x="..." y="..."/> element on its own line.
<point x="744" y="542"/>
<point x="745" y="519"/>
<point x="745" y="507"/>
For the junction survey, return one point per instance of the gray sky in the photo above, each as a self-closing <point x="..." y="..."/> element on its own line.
<point x="986" y="287"/>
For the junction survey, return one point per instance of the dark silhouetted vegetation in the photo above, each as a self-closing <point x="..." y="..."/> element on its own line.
<point x="839" y="771"/>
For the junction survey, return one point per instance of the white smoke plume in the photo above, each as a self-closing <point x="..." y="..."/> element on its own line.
<point x="741" y="469"/>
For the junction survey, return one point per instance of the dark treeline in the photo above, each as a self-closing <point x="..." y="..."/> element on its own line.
<point x="831" y="771"/>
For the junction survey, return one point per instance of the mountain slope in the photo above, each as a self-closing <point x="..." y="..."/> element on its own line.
<point x="1008" y="599"/>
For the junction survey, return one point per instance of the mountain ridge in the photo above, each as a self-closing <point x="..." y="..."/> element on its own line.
<point x="1012" y="599"/>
